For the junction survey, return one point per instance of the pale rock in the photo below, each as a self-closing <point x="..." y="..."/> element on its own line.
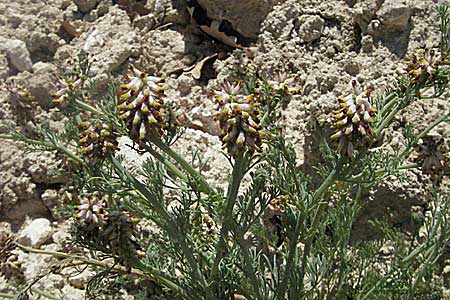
<point x="85" y="5"/>
<point x="394" y="15"/>
<point x="72" y="293"/>
<point x="245" y="16"/>
<point x="111" y="42"/>
<point x="311" y="28"/>
<point x="38" y="232"/>
<point x="79" y="280"/>
<point x="18" y="54"/>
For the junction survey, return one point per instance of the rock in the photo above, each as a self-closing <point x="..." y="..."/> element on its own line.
<point x="85" y="5"/>
<point x="311" y="27"/>
<point x="18" y="54"/>
<point x="394" y="15"/>
<point x="110" y="43"/>
<point x="38" y="232"/>
<point x="41" y="83"/>
<point x="79" y="280"/>
<point x="245" y="16"/>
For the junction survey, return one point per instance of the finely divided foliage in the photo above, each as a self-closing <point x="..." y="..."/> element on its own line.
<point x="287" y="234"/>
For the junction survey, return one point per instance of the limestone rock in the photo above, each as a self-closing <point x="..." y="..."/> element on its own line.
<point x="38" y="232"/>
<point x="110" y="42"/>
<point x="394" y="15"/>
<point x="85" y="5"/>
<point x="311" y="27"/>
<point x="18" y="54"/>
<point x="245" y="16"/>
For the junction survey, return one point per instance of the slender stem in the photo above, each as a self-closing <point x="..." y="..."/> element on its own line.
<point x="161" y="210"/>
<point x="389" y="103"/>
<point x="56" y="146"/>
<point x="151" y="273"/>
<point x="386" y="121"/>
<point x="289" y="263"/>
<point x="322" y="205"/>
<point x="172" y="168"/>
<point x="203" y="185"/>
<point x="8" y="296"/>
<point x="427" y="130"/>
<point x="237" y="175"/>
<point x="87" y="107"/>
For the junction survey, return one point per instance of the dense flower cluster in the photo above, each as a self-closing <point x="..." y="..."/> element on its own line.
<point x="92" y="209"/>
<point x="285" y="83"/>
<point x="423" y="65"/>
<point x="97" y="140"/>
<point x="110" y="231"/>
<point x="434" y="157"/>
<point x="353" y="121"/>
<point x="67" y="86"/>
<point x="238" y="117"/>
<point x="142" y="106"/>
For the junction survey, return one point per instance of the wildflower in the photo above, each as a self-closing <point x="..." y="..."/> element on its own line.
<point x="97" y="140"/>
<point x="91" y="210"/>
<point x="238" y="117"/>
<point x="284" y="83"/>
<point x="353" y="121"/>
<point x="68" y="86"/>
<point x="141" y="105"/>
<point x="433" y="158"/>
<point x="423" y="65"/>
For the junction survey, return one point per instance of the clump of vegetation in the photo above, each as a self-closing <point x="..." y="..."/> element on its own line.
<point x="283" y="236"/>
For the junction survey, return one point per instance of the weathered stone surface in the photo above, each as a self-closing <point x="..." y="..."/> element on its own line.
<point x="18" y="54"/>
<point x="311" y="27"/>
<point x="394" y="15"/>
<point x="38" y="232"/>
<point x="85" y="5"/>
<point x="246" y="16"/>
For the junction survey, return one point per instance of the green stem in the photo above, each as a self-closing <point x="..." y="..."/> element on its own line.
<point x="427" y="130"/>
<point x="322" y="205"/>
<point x="203" y="185"/>
<point x="54" y="145"/>
<point x="172" y="168"/>
<point x="289" y="263"/>
<point x="386" y="121"/>
<point x="233" y="189"/>
<point x="144" y="193"/>
<point x="8" y="296"/>
<point x="389" y="103"/>
<point x="150" y="273"/>
<point x="88" y="107"/>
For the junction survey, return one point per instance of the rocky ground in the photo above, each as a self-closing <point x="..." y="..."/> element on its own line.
<point x="326" y="42"/>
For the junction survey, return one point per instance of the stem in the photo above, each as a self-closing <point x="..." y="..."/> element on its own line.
<point x="8" y="296"/>
<point x="389" y="103"/>
<point x="386" y="121"/>
<point x="172" y="228"/>
<point x="54" y="145"/>
<point x="172" y="168"/>
<point x="427" y="130"/>
<point x="203" y="185"/>
<point x="151" y="273"/>
<point x="87" y="107"/>
<point x="322" y="205"/>
<point x="237" y="175"/>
